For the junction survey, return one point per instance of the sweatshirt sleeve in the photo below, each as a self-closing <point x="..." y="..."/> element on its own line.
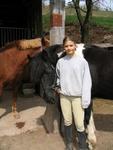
<point x="86" y="89"/>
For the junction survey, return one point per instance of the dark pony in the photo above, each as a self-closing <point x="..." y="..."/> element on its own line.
<point x="43" y="73"/>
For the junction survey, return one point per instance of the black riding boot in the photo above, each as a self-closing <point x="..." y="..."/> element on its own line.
<point x="82" y="141"/>
<point x="68" y="137"/>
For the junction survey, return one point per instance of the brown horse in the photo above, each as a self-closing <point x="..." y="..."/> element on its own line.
<point x="13" y="59"/>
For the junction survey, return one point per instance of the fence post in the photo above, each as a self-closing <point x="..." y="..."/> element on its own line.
<point x="57" y="21"/>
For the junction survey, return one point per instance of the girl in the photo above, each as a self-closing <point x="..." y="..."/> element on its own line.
<point x="74" y="81"/>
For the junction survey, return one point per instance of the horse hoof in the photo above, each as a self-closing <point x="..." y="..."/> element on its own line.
<point x="92" y="144"/>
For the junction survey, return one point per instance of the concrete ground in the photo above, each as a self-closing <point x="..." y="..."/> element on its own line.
<point x="28" y="133"/>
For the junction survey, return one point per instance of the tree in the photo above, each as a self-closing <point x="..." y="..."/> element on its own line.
<point x="84" y="20"/>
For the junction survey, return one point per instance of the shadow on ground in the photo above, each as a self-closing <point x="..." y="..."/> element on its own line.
<point x="23" y="103"/>
<point x="104" y="122"/>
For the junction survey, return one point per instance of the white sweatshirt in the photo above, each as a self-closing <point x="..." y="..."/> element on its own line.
<point x="74" y="79"/>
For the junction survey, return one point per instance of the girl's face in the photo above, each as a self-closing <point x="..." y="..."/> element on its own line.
<point x="70" y="48"/>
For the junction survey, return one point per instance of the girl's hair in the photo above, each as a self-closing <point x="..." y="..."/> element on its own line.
<point x="67" y="38"/>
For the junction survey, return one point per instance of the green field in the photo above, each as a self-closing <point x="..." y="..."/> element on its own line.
<point x="96" y="20"/>
<point x="99" y="18"/>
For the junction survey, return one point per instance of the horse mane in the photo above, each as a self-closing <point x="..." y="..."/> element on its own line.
<point x="27" y="44"/>
<point x="22" y="44"/>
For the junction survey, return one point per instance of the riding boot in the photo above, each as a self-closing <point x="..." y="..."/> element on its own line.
<point x="82" y="141"/>
<point x="68" y="137"/>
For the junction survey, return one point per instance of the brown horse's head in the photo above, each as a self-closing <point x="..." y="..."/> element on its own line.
<point x="31" y="46"/>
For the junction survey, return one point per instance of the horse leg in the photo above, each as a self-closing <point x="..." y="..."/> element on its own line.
<point x="14" y="106"/>
<point x="91" y="136"/>
<point x="14" y="110"/>
<point x="90" y="126"/>
<point x="17" y="84"/>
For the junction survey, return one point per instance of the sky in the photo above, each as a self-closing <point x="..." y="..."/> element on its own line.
<point x="104" y="4"/>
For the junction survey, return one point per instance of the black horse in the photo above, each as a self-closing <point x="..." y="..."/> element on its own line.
<point x="100" y="62"/>
<point x="43" y="74"/>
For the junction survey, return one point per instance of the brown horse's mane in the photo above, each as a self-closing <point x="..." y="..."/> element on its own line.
<point x="22" y="44"/>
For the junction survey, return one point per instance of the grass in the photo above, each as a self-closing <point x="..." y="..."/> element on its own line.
<point x="103" y="14"/>
<point x="99" y="18"/>
<point x="71" y="19"/>
<point x="103" y="21"/>
<point x="46" y="22"/>
<point x="99" y="21"/>
<point x="96" y="13"/>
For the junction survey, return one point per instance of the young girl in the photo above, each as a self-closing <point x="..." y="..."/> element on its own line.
<point x="74" y="80"/>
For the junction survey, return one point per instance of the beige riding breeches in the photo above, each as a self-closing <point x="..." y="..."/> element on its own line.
<point x="71" y="108"/>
